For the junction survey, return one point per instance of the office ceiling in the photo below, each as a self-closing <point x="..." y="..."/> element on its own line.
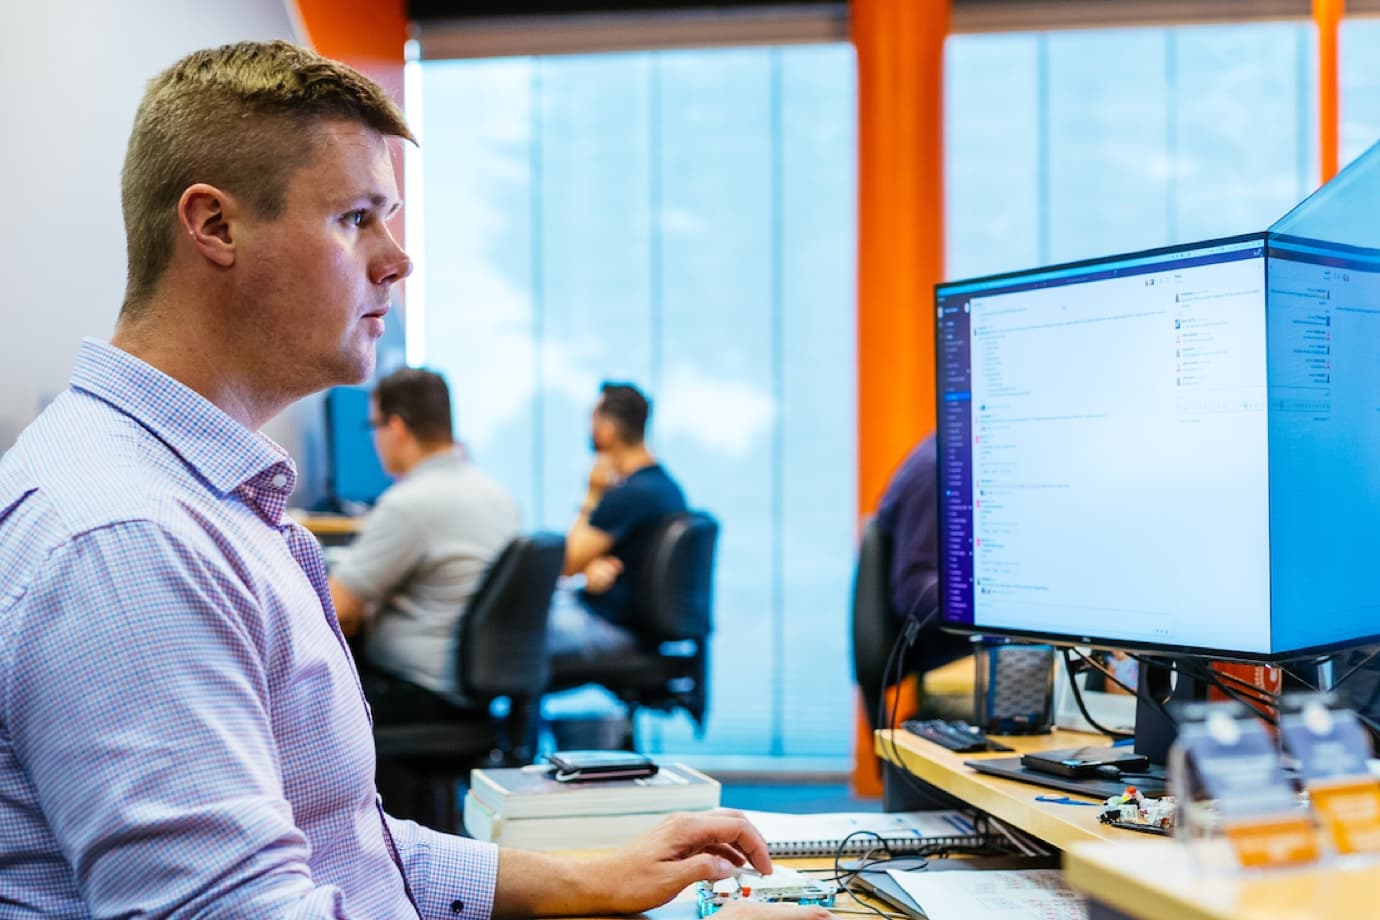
<point x="422" y="10"/>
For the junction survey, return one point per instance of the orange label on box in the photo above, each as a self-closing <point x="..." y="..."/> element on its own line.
<point x="1350" y="811"/>
<point x="1274" y="841"/>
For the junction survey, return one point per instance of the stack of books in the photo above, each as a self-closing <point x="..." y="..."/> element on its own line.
<point x="525" y="807"/>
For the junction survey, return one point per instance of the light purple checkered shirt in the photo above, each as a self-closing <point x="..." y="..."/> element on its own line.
<point x="181" y="728"/>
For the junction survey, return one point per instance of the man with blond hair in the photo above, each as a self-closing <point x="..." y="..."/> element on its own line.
<point x="181" y="728"/>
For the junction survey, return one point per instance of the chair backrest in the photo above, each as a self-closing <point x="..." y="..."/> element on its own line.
<point x="875" y="624"/>
<point x="675" y="591"/>
<point x="502" y="644"/>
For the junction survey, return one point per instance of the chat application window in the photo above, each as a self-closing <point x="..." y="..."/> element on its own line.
<point x="1119" y="453"/>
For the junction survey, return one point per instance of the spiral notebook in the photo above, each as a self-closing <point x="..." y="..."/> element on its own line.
<point x="822" y="834"/>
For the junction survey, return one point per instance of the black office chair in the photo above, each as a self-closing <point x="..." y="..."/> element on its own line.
<point x="875" y="623"/>
<point x="502" y="652"/>
<point x="875" y="630"/>
<point x="673" y="600"/>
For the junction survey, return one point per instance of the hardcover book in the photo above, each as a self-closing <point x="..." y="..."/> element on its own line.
<point x="532" y="792"/>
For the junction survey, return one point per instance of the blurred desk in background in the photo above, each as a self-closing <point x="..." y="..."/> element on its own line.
<point x="330" y="529"/>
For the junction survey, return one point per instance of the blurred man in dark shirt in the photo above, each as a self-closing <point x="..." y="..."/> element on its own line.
<point x="629" y="495"/>
<point x="909" y="515"/>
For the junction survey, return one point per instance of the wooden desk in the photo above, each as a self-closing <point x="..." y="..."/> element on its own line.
<point x="1006" y="799"/>
<point x="331" y="529"/>
<point x="1151" y="881"/>
<point x="1125" y="874"/>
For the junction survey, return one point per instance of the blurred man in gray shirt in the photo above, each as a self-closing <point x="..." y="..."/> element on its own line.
<point x="420" y="553"/>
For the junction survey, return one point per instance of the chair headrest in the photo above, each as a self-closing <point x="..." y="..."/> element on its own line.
<point x="875" y="624"/>
<point x="502" y="634"/>
<point x="675" y="592"/>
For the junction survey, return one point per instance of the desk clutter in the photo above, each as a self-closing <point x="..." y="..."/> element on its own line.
<point x="1249" y="799"/>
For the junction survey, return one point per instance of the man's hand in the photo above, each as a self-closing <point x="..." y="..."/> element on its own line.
<point x="601" y="573"/>
<point x="601" y="475"/>
<point x="648" y="872"/>
<point x="681" y="850"/>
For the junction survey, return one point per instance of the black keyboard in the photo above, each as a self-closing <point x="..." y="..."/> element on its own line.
<point x="956" y="735"/>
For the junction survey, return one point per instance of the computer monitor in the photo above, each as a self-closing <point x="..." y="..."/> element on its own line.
<point x="1175" y="450"/>
<point x="355" y="474"/>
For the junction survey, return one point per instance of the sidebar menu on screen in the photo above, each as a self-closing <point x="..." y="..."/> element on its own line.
<point x="955" y="443"/>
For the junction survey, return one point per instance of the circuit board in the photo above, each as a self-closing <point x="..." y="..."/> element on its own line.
<point x="783" y="885"/>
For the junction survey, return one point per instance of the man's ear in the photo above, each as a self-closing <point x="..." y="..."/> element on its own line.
<point x="203" y="214"/>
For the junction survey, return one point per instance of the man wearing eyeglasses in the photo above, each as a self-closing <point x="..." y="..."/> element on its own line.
<point x="420" y="554"/>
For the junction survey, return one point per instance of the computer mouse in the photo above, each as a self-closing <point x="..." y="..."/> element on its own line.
<point x="1108" y="771"/>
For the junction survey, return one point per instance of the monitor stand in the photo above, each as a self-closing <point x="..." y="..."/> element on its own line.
<point x="1165" y="679"/>
<point x="1168" y="681"/>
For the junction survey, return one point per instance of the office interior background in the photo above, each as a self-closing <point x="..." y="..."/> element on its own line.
<point x="686" y="218"/>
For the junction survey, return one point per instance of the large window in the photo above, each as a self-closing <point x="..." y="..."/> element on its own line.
<point x="1069" y="145"/>
<point x="683" y="220"/>
<point x="1360" y="86"/>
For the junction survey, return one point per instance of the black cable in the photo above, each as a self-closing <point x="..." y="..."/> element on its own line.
<point x="896" y="661"/>
<point x="1213" y="677"/>
<point x="1268" y="696"/>
<point x="907" y="638"/>
<point x="1240" y="687"/>
<point x="1150" y="700"/>
<point x="846" y="879"/>
<point x="1345" y="677"/>
<point x="1082" y="707"/>
<point x="1107" y="672"/>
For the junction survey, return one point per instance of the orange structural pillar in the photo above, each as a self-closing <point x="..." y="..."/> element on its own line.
<point x="900" y="54"/>
<point x="369" y="35"/>
<point x="1327" y="14"/>
<point x="366" y="34"/>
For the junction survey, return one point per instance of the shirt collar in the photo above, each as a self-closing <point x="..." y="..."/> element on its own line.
<point x="228" y="456"/>
<point x="443" y="460"/>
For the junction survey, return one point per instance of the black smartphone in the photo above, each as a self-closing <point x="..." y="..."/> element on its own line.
<point x="579" y="766"/>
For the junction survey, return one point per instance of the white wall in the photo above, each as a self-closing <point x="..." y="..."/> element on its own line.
<point x="74" y="71"/>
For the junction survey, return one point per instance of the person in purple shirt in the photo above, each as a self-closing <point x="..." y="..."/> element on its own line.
<point x="909" y="515"/>
<point x="182" y="731"/>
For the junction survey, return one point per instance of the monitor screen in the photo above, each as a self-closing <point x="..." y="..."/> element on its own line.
<point x="1124" y="461"/>
<point x="1324" y="355"/>
<point x="355" y="472"/>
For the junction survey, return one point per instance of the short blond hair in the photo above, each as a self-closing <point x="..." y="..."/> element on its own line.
<point x="240" y="117"/>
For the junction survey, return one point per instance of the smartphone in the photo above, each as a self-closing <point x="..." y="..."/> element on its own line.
<point x="579" y="766"/>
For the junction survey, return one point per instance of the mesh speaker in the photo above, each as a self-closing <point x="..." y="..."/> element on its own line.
<point x="1015" y="688"/>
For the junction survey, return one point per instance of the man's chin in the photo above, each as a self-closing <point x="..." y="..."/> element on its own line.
<point x="362" y="367"/>
<point x="350" y="369"/>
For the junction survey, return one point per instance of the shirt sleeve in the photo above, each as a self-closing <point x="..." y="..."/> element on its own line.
<point x="134" y="697"/>
<point x="915" y="541"/>
<point x="388" y="548"/>
<point x="452" y="878"/>
<point x="619" y="511"/>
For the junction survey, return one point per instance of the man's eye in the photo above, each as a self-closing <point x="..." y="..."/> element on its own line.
<point x="357" y="218"/>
